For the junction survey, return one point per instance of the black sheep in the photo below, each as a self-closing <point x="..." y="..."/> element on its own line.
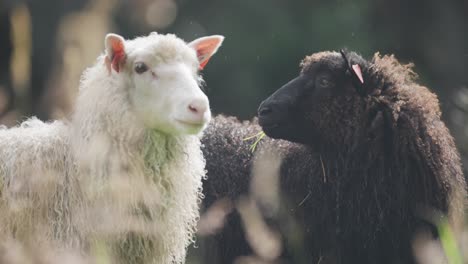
<point x="374" y="161"/>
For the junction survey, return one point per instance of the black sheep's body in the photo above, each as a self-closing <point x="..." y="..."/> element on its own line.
<point x="230" y="177"/>
<point x="374" y="169"/>
<point x="332" y="211"/>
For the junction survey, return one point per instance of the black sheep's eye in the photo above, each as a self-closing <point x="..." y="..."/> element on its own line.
<point x="324" y="82"/>
<point x="140" y="67"/>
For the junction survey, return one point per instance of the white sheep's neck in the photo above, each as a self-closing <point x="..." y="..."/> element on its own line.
<point x="158" y="149"/>
<point x="124" y="166"/>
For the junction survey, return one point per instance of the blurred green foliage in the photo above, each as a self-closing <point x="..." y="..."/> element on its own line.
<point x="449" y="243"/>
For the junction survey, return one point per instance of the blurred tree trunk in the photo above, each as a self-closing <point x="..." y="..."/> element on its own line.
<point x="6" y="50"/>
<point x="45" y="18"/>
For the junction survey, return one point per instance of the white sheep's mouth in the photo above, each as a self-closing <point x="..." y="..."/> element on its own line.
<point x="195" y="127"/>
<point x="189" y="123"/>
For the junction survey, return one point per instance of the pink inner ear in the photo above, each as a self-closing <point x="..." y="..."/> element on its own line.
<point x="205" y="51"/>
<point x="358" y="72"/>
<point x="118" y="59"/>
<point x="202" y="65"/>
<point x="118" y="56"/>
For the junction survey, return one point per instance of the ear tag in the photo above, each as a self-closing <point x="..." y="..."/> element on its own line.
<point x="358" y="72"/>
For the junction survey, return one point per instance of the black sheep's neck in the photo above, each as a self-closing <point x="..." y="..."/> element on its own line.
<point x="364" y="181"/>
<point x="382" y="176"/>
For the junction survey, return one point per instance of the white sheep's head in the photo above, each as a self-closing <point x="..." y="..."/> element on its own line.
<point x="162" y="72"/>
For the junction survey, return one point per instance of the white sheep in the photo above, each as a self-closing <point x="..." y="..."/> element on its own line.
<point x="125" y="171"/>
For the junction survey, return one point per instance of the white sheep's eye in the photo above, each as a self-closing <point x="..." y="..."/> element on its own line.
<point x="140" y="67"/>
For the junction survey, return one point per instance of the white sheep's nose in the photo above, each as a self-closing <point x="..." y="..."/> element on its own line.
<point x="198" y="109"/>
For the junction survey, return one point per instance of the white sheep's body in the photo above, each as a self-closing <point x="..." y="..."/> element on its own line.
<point x="105" y="177"/>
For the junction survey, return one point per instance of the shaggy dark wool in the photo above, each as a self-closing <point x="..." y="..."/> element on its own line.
<point x="374" y="160"/>
<point x="229" y="164"/>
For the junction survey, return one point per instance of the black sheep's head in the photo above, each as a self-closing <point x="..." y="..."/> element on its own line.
<point x="322" y="104"/>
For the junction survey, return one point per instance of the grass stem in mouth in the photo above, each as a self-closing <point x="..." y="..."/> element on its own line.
<point x="259" y="136"/>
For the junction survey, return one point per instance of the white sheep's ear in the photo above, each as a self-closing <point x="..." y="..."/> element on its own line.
<point x="115" y="52"/>
<point x="206" y="47"/>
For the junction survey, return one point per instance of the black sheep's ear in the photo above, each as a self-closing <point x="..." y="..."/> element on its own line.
<point x="356" y="73"/>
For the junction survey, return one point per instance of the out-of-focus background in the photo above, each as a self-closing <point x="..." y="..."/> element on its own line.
<point x="46" y="44"/>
